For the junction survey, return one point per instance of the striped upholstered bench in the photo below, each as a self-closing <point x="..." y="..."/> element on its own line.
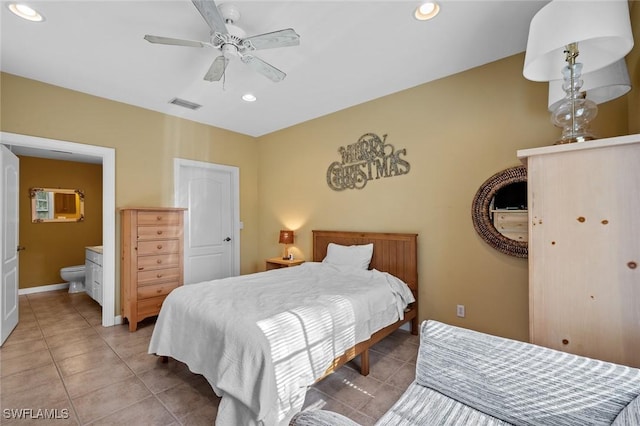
<point x="464" y="377"/>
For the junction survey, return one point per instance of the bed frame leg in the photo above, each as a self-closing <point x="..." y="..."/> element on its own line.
<point x="364" y="362"/>
<point x="415" y="326"/>
<point x="164" y="359"/>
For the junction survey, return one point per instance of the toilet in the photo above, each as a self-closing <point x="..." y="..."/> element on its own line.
<point x="75" y="276"/>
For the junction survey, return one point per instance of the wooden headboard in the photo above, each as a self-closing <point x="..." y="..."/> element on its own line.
<point x="394" y="253"/>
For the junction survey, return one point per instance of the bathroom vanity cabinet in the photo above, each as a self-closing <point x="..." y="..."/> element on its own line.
<point x="93" y="273"/>
<point x="152" y="260"/>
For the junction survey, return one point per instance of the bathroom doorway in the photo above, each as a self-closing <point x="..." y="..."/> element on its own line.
<point x="51" y="148"/>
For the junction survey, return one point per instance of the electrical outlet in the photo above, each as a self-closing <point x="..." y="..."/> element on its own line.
<point x="460" y="311"/>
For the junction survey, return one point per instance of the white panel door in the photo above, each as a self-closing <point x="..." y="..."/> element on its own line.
<point x="209" y="193"/>
<point x="9" y="237"/>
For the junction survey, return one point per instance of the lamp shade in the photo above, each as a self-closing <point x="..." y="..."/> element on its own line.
<point x="601" y="86"/>
<point x="286" y="237"/>
<point x="602" y="30"/>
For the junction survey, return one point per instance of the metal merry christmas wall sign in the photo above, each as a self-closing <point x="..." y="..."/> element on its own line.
<point x="367" y="159"/>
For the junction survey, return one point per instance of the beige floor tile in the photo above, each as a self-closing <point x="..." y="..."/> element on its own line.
<point x="25" y="362"/>
<point x="70" y="337"/>
<point x="349" y="387"/>
<point x="78" y="347"/>
<point x="130" y="347"/>
<point x="21" y="349"/>
<point x="362" y="419"/>
<point x="317" y="400"/>
<point x="23" y="333"/>
<point x="110" y="332"/>
<point x="397" y="346"/>
<point x="30" y="379"/>
<point x="142" y="362"/>
<point x="93" y="318"/>
<point x="149" y="411"/>
<point x="161" y="378"/>
<point x="403" y="377"/>
<point x="64" y="326"/>
<point x="110" y="399"/>
<point x="204" y="416"/>
<point x="87" y="361"/>
<point x="101" y="376"/>
<point x="387" y="396"/>
<point x="42" y="396"/>
<point x="183" y="399"/>
<point x="381" y="366"/>
<point x="26" y="314"/>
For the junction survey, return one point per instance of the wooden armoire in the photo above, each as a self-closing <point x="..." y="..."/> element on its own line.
<point x="584" y="247"/>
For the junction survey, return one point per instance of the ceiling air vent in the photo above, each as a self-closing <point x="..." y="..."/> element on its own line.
<point x="185" y="104"/>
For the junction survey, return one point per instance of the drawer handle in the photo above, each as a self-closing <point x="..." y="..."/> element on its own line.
<point x="159" y="261"/>
<point x="159" y="291"/>
<point x="159" y="275"/>
<point x="565" y="342"/>
<point x="159" y="232"/>
<point x="159" y="246"/>
<point x="159" y="217"/>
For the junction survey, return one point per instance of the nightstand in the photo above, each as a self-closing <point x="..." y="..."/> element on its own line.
<point x="278" y="262"/>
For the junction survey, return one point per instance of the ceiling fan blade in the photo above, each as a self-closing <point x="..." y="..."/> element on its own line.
<point x="211" y="14"/>
<point x="217" y="68"/>
<point x="176" y="41"/>
<point x="268" y="70"/>
<point x="280" y="38"/>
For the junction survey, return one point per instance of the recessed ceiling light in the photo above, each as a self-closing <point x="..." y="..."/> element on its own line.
<point x="248" y="97"/>
<point x="25" y="12"/>
<point x="426" y="11"/>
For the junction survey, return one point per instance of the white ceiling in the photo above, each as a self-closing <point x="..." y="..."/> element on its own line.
<point x="350" y="52"/>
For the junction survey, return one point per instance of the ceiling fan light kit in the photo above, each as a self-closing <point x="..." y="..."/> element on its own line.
<point x="230" y="40"/>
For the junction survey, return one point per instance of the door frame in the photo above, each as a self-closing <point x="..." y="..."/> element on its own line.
<point x="108" y="156"/>
<point x="234" y="173"/>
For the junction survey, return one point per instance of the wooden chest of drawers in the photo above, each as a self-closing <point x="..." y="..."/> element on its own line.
<point x="513" y="224"/>
<point x="152" y="260"/>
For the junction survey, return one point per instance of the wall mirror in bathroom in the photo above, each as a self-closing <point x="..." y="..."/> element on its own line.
<point x="56" y="205"/>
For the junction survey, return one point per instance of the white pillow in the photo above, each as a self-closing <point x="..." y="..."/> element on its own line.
<point x="355" y="256"/>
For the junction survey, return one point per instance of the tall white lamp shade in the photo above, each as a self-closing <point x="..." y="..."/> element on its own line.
<point x="603" y="85"/>
<point x="596" y="31"/>
<point x="602" y="30"/>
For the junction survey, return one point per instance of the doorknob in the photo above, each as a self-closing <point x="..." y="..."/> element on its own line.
<point x="227" y="239"/>
<point x="19" y="248"/>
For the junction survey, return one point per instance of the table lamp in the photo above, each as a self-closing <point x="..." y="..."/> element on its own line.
<point x="286" y="237"/>
<point x="598" y="31"/>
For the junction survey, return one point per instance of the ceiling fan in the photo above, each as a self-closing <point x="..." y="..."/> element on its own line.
<point x="230" y="40"/>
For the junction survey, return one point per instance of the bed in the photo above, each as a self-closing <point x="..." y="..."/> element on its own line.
<point x="261" y="339"/>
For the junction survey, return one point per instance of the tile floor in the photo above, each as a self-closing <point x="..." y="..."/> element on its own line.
<point x="61" y="359"/>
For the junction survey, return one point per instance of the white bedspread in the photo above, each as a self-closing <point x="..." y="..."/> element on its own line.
<point x="261" y="339"/>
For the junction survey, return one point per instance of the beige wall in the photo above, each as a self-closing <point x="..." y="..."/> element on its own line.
<point x="51" y="246"/>
<point x="458" y="132"/>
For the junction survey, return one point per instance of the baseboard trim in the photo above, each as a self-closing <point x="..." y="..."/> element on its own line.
<point x="117" y="320"/>
<point x="43" y="288"/>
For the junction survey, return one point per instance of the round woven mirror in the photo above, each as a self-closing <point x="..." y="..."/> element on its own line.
<point x="482" y="215"/>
